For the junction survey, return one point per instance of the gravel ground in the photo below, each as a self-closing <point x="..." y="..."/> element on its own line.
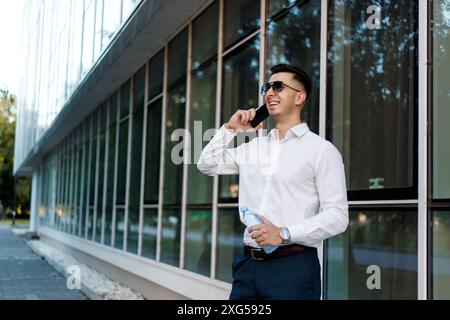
<point x="94" y="284"/>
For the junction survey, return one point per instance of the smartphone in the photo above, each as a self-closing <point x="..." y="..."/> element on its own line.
<point x="261" y="114"/>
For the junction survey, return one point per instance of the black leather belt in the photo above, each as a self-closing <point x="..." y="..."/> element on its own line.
<point x="282" y="251"/>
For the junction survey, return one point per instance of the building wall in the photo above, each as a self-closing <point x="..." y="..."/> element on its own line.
<point x="61" y="41"/>
<point x="117" y="181"/>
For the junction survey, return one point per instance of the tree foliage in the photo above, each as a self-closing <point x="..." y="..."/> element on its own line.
<point x="7" y="129"/>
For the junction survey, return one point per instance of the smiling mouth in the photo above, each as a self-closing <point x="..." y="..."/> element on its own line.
<point x="273" y="103"/>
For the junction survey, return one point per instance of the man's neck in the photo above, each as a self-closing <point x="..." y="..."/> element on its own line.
<point x="283" y="125"/>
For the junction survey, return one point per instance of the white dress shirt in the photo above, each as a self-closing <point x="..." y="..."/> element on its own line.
<point x="297" y="182"/>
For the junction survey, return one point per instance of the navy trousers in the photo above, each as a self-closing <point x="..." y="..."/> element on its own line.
<point x="295" y="277"/>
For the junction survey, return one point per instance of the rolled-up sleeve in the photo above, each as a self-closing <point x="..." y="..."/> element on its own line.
<point x="332" y="217"/>
<point x="216" y="158"/>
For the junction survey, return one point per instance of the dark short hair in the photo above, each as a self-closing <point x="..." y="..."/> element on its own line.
<point x="299" y="75"/>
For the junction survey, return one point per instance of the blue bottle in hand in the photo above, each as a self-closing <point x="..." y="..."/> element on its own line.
<point x="251" y="218"/>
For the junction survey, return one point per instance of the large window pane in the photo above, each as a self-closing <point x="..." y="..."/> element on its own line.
<point x="275" y="6"/>
<point x="229" y="242"/>
<point x="101" y="174"/>
<point x="170" y="238"/>
<point x="111" y="20"/>
<point x="205" y="30"/>
<point x="88" y="35"/>
<point x="240" y="19"/>
<point x="386" y="239"/>
<point x="125" y="99"/>
<point x="133" y="230"/>
<point x="110" y="168"/>
<point x="198" y="241"/>
<point x="153" y="155"/>
<point x="149" y="233"/>
<point x="202" y="113"/>
<point x="372" y="97"/>
<point x="295" y="39"/>
<point x="120" y="228"/>
<point x="441" y="255"/>
<point x="156" y="74"/>
<point x="173" y="171"/>
<point x="122" y="162"/>
<point x="239" y="91"/>
<point x="178" y="57"/>
<point x="136" y="144"/>
<point x="441" y="99"/>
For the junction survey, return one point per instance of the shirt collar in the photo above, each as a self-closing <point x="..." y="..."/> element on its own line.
<point x="298" y="130"/>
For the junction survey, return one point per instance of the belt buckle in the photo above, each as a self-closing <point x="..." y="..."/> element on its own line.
<point x="253" y="256"/>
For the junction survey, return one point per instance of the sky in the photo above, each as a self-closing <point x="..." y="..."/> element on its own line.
<point x="10" y="42"/>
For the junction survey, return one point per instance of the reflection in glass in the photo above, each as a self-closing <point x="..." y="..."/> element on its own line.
<point x="441" y="255"/>
<point x="275" y="6"/>
<point x="198" y="241"/>
<point x="372" y="92"/>
<point x="110" y="168"/>
<point x="178" y="57"/>
<point x="111" y="20"/>
<point x="149" y="233"/>
<point x="387" y="239"/>
<point x="125" y="99"/>
<point x="295" y="39"/>
<point x="120" y="228"/>
<point x="202" y="113"/>
<point x="170" y="237"/>
<point x="122" y="162"/>
<point x="441" y="99"/>
<point x="133" y="230"/>
<point x="229" y="242"/>
<point x="173" y="171"/>
<point x="240" y="19"/>
<point x="153" y="147"/>
<point x="239" y="91"/>
<point x="205" y="30"/>
<point x="156" y="74"/>
<point x="136" y="138"/>
<point x="88" y="36"/>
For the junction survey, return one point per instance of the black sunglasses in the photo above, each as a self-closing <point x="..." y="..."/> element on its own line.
<point x="277" y="86"/>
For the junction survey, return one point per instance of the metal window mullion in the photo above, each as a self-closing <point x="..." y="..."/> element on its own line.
<point x="263" y="48"/>
<point x="88" y="177"/>
<point x="143" y="158"/>
<point x="83" y="176"/>
<point x="322" y="112"/>
<point x="187" y="149"/>
<point x="97" y="165"/>
<point x="64" y="187"/>
<point x="240" y="43"/>
<point x="157" y="97"/>
<point x="72" y="169"/>
<point x="422" y="216"/>
<point x="162" y="159"/>
<point x="76" y="169"/>
<point x="116" y="156"/>
<point x="94" y="3"/>
<point x="150" y="206"/>
<point x="215" y="211"/>
<point x="128" y="173"/>
<point x="105" y="172"/>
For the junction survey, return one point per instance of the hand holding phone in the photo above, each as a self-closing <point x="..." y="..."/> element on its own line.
<point x="248" y="119"/>
<point x="261" y="114"/>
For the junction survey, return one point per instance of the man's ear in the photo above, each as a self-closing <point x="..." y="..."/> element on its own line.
<point x="300" y="98"/>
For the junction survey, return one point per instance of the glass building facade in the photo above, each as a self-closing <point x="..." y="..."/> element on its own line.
<point x="380" y="72"/>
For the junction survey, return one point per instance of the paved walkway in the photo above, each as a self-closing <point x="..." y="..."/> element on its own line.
<point x="26" y="276"/>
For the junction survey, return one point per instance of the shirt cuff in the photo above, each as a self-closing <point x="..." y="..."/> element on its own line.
<point x="224" y="132"/>
<point x="298" y="232"/>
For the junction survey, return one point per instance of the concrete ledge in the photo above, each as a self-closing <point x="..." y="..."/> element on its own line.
<point x="152" y="279"/>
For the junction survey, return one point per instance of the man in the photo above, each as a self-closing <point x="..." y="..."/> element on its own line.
<point x="294" y="180"/>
